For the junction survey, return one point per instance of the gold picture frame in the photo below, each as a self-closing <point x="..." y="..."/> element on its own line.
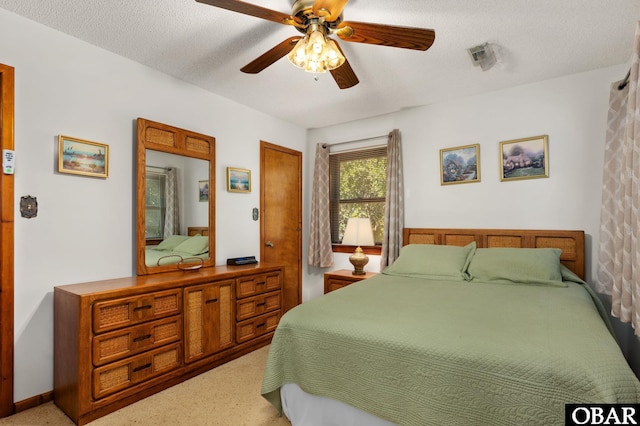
<point x="526" y="158"/>
<point x="460" y="164"/>
<point x="82" y="157"/>
<point x="238" y="180"/>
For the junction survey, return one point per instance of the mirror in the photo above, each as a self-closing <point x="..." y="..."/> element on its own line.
<point x="175" y="229"/>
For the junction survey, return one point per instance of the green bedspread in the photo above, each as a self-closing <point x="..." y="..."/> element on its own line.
<point x="423" y="352"/>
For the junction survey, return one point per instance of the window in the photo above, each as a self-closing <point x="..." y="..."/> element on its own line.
<point x="155" y="204"/>
<point x="358" y="186"/>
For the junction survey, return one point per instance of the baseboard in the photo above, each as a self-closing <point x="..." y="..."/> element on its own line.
<point x="32" y="402"/>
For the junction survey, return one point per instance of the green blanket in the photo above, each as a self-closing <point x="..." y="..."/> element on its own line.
<point x="422" y="352"/>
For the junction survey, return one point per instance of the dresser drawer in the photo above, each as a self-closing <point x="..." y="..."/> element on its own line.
<point x="115" y="345"/>
<point x="112" y="314"/>
<point x="257" y="284"/>
<point x="252" y="306"/>
<point x="256" y="327"/>
<point x="120" y="375"/>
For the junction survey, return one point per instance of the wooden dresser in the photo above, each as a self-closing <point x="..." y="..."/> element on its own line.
<point x="118" y="341"/>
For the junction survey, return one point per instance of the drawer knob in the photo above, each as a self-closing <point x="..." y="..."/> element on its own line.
<point x="212" y="300"/>
<point x="142" y="367"/>
<point x="261" y="304"/>
<point x="141" y="338"/>
<point x="261" y="325"/>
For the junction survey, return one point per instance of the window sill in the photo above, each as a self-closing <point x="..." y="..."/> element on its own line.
<point x="341" y="248"/>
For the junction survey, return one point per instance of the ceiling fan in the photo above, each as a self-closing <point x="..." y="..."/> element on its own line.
<point x="315" y="51"/>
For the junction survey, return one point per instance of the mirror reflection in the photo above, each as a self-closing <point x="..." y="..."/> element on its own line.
<point x="176" y="209"/>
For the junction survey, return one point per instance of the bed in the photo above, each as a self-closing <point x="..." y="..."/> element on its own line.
<point x="468" y="326"/>
<point x="175" y="248"/>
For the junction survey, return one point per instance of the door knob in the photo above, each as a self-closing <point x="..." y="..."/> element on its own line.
<point x="269" y="244"/>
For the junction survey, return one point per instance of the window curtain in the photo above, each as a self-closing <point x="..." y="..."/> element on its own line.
<point x="171" y="216"/>
<point x="394" y="205"/>
<point x="618" y="271"/>
<point x="320" y="250"/>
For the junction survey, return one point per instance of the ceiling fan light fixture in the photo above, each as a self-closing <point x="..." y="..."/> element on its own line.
<point x="316" y="53"/>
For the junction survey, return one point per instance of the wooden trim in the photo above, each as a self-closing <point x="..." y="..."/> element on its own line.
<point x="33" y="402"/>
<point x="7" y="93"/>
<point x="569" y="241"/>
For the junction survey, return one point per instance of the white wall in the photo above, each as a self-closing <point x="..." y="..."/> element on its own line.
<point x="85" y="226"/>
<point x="571" y="110"/>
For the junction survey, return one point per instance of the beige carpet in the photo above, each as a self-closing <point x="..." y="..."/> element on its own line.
<point x="227" y="395"/>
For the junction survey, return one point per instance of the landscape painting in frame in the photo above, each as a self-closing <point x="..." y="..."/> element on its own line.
<point x="203" y="190"/>
<point x="82" y="157"/>
<point x="526" y="158"/>
<point x="238" y="180"/>
<point x="460" y="164"/>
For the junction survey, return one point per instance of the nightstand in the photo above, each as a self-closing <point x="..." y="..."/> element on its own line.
<point x="343" y="277"/>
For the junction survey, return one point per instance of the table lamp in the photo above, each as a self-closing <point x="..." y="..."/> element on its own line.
<point x="358" y="233"/>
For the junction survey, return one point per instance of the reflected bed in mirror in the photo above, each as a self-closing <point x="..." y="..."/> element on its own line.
<point x="175" y="199"/>
<point x="185" y="249"/>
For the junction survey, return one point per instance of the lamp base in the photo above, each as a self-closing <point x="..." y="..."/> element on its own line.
<point x="358" y="259"/>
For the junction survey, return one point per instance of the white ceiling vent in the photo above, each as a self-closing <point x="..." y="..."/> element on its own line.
<point x="483" y="56"/>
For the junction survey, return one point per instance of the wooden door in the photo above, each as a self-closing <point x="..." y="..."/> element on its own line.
<point x="6" y="245"/>
<point x="281" y="218"/>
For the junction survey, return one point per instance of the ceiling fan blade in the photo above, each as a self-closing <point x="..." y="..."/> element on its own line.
<point x="253" y="10"/>
<point x="386" y="35"/>
<point x="329" y="9"/>
<point x="344" y="76"/>
<point x="271" y="56"/>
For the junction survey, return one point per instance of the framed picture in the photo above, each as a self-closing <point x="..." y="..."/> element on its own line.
<point x="460" y="164"/>
<point x="81" y="157"/>
<point x="526" y="158"/>
<point x="203" y="190"/>
<point x="238" y="180"/>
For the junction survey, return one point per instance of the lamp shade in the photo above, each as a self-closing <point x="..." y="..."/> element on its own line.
<point x="358" y="232"/>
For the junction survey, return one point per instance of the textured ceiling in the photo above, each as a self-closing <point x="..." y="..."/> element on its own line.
<point x="207" y="46"/>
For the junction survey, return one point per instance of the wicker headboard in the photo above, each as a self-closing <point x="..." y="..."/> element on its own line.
<point x="570" y="242"/>
<point x="195" y="230"/>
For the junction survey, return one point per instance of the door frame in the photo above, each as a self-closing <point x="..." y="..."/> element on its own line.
<point x="7" y="108"/>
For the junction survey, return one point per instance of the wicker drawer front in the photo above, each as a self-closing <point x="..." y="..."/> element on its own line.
<point x="112" y="314"/>
<point x="115" y="345"/>
<point x="257" y="284"/>
<point x="120" y="375"/>
<point x="256" y="327"/>
<point x="257" y="305"/>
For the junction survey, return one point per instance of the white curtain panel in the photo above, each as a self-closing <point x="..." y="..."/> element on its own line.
<point x="619" y="251"/>
<point x="320" y="250"/>
<point x="394" y="206"/>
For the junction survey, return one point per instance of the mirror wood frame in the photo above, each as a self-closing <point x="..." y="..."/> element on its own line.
<point x="173" y="140"/>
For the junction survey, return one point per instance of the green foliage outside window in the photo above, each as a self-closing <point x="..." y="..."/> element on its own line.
<point x="154" y="214"/>
<point x="358" y="189"/>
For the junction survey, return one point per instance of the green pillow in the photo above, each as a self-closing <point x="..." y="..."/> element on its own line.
<point x="516" y="265"/>
<point x="170" y="243"/>
<point x="432" y="261"/>
<point x="198" y="244"/>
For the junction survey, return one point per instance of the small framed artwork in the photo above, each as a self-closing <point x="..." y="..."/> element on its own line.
<point x="526" y="158"/>
<point x="203" y="191"/>
<point x="82" y="157"/>
<point x="460" y="164"/>
<point x="238" y="180"/>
